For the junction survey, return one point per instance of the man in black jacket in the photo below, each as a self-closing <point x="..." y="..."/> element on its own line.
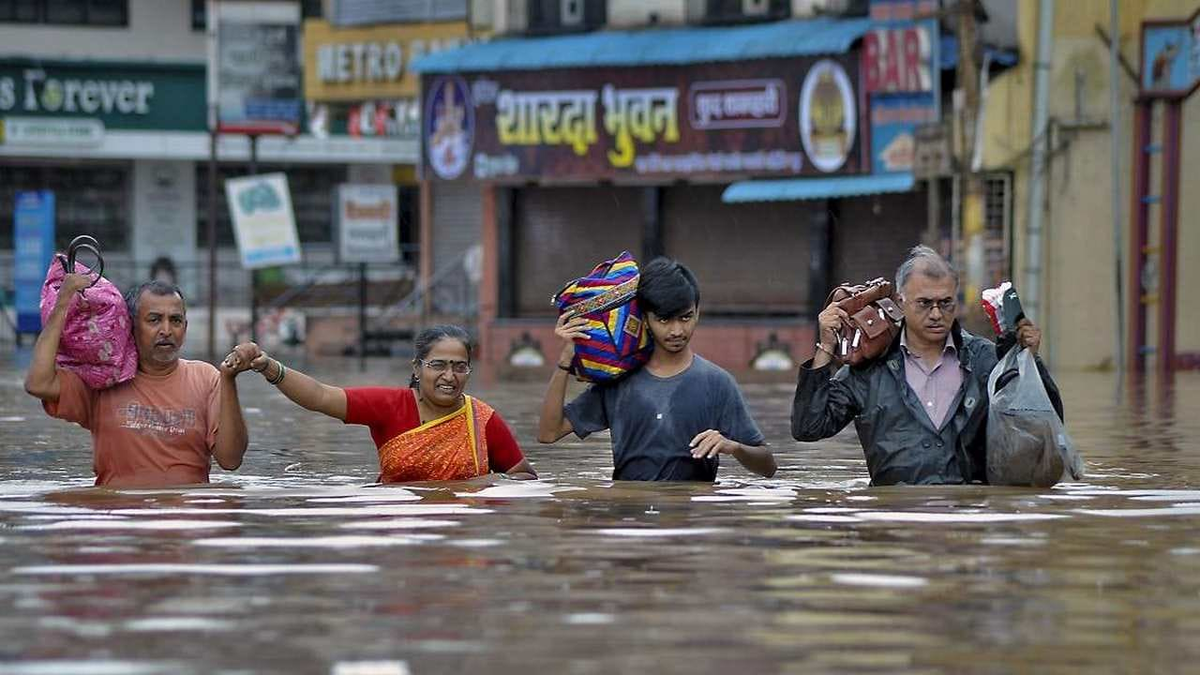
<point x="920" y="410"/>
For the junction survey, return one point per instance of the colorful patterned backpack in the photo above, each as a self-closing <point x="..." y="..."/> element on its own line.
<point x="97" y="338"/>
<point x="618" y="341"/>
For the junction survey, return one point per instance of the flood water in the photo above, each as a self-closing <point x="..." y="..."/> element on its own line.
<point x="292" y="565"/>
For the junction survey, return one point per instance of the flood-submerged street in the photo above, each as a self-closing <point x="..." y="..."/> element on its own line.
<point x="292" y="564"/>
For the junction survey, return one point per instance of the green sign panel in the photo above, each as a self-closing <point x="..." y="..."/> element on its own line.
<point x="121" y="95"/>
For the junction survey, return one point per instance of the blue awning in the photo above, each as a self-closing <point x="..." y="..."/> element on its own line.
<point x="666" y="46"/>
<point x="796" y="189"/>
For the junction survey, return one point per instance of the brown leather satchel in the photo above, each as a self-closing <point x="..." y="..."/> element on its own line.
<point x="874" y="320"/>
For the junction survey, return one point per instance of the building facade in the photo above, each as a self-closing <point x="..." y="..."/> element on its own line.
<point x="1075" y="260"/>
<point x="108" y="111"/>
<point x="772" y="155"/>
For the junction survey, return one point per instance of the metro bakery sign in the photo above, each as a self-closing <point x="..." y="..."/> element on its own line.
<point x="122" y="96"/>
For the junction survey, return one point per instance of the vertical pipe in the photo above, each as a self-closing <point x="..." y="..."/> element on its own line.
<point x="1114" y="127"/>
<point x="1169" y="239"/>
<point x="819" y="257"/>
<point x="1140" y="235"/>
<point x="253" y="272"/>
<point x="425" y="242"/>
<point x="1031" y="292"/>
<point x="362" y="316"/>
<point x="933" y="213"/>
<point x="211" y="208"/>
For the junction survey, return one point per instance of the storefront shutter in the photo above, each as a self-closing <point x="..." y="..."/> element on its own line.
<point x="750" y="259"/>
<point x="560" y="233"/>
<point x="872" y="235"/>
<point x="457" y="226"/>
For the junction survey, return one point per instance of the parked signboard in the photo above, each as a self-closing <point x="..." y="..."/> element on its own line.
<point x="33" y="248"/>
<point x="368" y="224"/>
<point x="263" y="222"/>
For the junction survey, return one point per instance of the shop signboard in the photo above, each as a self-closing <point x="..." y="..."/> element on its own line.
<point x="33" y="248"/>
<point x="368" y="224"/>
<point x="392" y="120"/>
<point x="371" y="62"/>
<point x="254" y="67"/>
<point x="85" y="99"/>
<point x="770" y="117"/>
<point x="901" y="77"/>
<point x="1171" y="57"/>
<point x="263" y="221"/>
<point x="43" y="131"/>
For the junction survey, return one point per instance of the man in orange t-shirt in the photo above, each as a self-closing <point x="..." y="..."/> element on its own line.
<point x="165" y="425"/>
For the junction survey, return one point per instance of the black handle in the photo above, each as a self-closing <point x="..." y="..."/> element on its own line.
<point x="85" y="243"/>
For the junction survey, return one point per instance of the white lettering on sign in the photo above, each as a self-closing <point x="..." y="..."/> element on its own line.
<point x="733" y="104"/>
<point x="898" y="60"/>
<point x="8" y="93"/>
<point x="360" y="62"/>
<point x="43" y="94"/>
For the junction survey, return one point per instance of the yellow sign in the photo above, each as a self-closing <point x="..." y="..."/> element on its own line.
<point x="372" y="62"/>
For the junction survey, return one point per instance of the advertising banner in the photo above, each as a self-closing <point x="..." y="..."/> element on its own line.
<point x="1171" y="57"/>
<point x="901" y="75"/>
<point x="770" y="117"/>
<point x="263" y="222"/>
<point x="368" y="224"/>
<point x="61" y="99"/>
<point x="33" y="248"/>
<point x="254" y="66"/>
<point x="371" y="62"/>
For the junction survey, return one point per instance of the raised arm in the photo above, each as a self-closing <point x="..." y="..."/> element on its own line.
<point x="825" y="399"/>
<point x="42" y="379"/>
<point x="552" y="424"/>
<point x="305" y="391"/>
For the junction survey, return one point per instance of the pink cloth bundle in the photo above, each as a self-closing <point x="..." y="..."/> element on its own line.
<point x="97" y="339"/>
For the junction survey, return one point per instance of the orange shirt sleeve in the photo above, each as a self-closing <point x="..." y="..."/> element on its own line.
<point x="76" y="402"/>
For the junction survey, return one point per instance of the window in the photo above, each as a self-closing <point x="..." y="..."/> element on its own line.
<point x="312" y="190"/>
<point x="997" y="216"/>
<point x="66" y="12"/>
<point x="88" y="199"/>
<point x="309" y="9"/>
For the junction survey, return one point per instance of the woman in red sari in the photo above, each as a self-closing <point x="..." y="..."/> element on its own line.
<point x="430" y="430"/>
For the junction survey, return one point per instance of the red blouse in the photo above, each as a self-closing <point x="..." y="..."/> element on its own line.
<point x="391" y="411"/>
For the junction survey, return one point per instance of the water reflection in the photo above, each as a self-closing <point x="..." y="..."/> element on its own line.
<point x="294" y="564"/>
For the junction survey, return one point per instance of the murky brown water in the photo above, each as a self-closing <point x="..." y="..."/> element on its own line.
<point x="290" y="565"/>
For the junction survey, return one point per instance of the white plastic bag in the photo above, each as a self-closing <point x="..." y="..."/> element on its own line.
<point x="1027" y="443"/>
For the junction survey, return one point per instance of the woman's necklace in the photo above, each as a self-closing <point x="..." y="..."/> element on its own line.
<point x="429" y="412"/>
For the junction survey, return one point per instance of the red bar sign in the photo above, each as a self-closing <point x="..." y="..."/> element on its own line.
<point x="897" y="60"/>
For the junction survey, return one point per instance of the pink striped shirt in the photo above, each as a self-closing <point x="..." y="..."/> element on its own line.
<point x="934" y="386"/>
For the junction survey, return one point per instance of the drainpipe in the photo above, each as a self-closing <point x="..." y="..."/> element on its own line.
<point x="1031" y="291"/>
<point x="1114" y="116"/>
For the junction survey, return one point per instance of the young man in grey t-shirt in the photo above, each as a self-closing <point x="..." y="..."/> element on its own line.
<point x="672" y="418"/>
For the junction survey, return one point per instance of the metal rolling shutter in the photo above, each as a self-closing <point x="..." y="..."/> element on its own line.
<point x="457" y="221"/>
<point x="560" y="233"/>
<point x="750" y="259"/>
<point x="867" y="244"/>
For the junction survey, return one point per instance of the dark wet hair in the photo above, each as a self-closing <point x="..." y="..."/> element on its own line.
<point x="426" y="339"/>
<point x="667" y="288"/>
<point x="134" y="296"/>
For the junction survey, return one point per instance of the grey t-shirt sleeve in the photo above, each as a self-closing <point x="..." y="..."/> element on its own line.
<point x="588" y="413"/>
<point x="735" y="420"/>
